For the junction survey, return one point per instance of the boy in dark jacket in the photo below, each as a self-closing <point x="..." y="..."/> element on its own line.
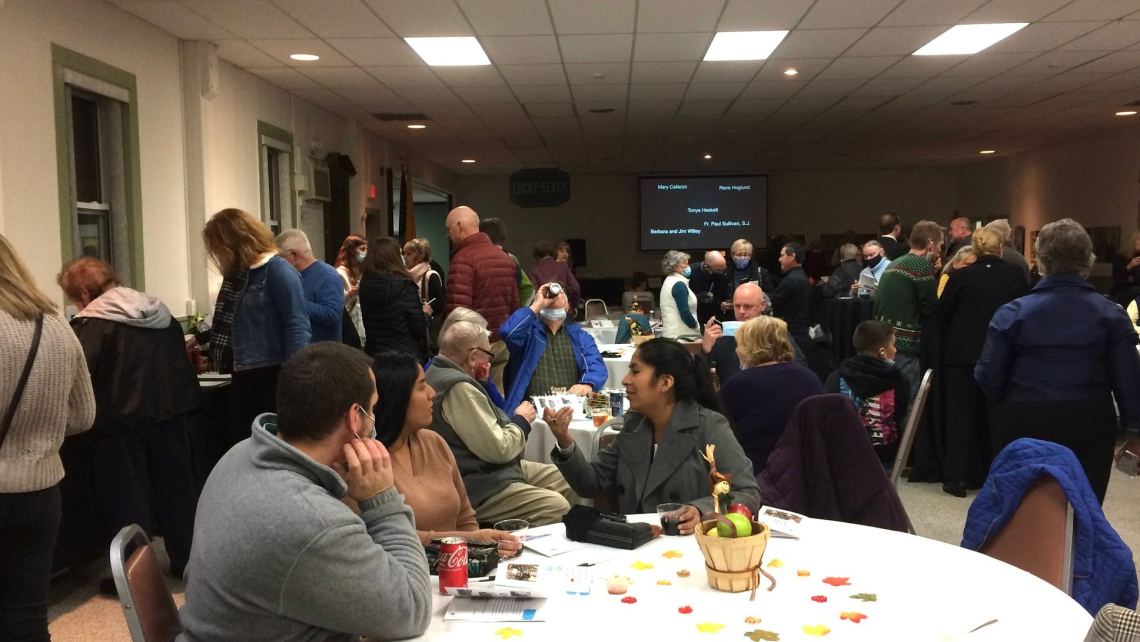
<point x="880" y="391"/>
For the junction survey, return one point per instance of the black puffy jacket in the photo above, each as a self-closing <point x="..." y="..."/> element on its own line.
<point x="393" y="314"/>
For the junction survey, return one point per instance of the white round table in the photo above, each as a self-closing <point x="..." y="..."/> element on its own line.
<point x="541" y="441"/>
<point x="602" y="336"/>
<point x="617" y="367"/>
<point x="911" y="589"/>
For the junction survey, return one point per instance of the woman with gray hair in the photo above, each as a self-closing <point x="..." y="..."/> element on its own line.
<point x="1054" y="359"/>
<point x="678" y="303"/>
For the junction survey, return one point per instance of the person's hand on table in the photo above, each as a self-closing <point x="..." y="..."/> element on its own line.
<point x="689" y="516"/>
<point x="713" y="331"/>
<point x="559" y="423"/>
<point x="367" y="469"/>
<point x="581" y="389"/>
<point x="526" y="411"/>
<point x="509" y="545"/>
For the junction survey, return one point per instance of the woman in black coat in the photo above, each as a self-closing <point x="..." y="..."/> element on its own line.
<point x="744" y="268"/>
<point x="393" y="314"/>
<point x="973" y="293"/>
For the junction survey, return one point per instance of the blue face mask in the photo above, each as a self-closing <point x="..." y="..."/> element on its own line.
<point x="741" y="264"/>
<point x="361" y="255"/>
<point x="553" y="314"/>
<point x="687" y="272"/>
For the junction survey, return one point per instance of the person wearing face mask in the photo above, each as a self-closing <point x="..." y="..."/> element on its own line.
<point x="876" y="386"/>
<point x="678" y="303"/>
<point x="486" y="442"/>
<point x="547" y="351"/>
<point x="745" y="268"/>
<point x="908" y="291"/>
<point x="349" y="264"/>
<point x="875" y="263"/>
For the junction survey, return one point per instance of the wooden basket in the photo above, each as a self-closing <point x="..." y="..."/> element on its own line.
<point x="733" y="564"/>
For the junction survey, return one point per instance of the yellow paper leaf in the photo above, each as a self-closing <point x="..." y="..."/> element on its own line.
<point x="664" y="582"/>
<point x="803" y="573"/>
<point x="709" y="627"/>
<point x="818" y="630"/>
<point x="641" y="566"/>
<point x="775" y="563"/>
<point x="507" y="632"/>
<point x="672" y="554"/>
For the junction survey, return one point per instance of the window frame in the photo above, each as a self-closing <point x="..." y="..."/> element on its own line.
<point x="270" y="137"/>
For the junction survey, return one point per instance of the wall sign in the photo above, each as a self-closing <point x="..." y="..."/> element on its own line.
<point x="540" y="187"/>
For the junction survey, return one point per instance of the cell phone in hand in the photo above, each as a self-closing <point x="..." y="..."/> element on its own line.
<point x="1129" y="463"/>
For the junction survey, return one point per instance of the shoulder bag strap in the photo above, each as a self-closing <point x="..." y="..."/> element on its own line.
<point x="11" y="412"/>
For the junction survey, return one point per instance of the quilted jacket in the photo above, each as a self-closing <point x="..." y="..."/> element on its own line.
<point x="824" y="466"/>
<point x="1103" y="570"/>
<point x="482" y="278"/>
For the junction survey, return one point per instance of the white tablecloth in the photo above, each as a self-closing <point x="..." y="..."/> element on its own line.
<point x="618" y="367"/>
<point x="924" y="591"/>
<point x="602" y="336"/>
<point x="541" y="441"/>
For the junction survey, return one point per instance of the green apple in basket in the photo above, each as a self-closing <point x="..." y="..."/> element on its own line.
<point x="742" y="523"/>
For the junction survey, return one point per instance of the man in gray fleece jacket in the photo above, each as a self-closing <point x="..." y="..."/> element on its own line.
<point x="277" y="555"/>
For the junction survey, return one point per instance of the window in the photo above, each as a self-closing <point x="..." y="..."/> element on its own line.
<point x="277" y="202"/>
<point x="273" y="183"/>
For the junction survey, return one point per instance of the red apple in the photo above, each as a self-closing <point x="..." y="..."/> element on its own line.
<point x="740" y="509"/>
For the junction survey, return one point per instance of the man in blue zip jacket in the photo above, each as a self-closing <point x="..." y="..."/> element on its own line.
<point x="547" y="352"/>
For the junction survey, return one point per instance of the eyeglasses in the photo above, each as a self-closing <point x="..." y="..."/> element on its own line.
<point x="490" y="355"/>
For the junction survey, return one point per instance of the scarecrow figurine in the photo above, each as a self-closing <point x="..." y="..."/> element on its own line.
<point x="720" y="484"/>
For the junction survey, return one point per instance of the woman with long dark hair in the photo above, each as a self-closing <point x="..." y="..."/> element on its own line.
<point x="394" y="318"/>
<point x="423" y="467"/>
<point x="349" y="264"/>
<point x="673" y="415"/>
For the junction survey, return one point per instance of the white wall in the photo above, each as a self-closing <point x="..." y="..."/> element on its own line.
<point x="603" y="209"/>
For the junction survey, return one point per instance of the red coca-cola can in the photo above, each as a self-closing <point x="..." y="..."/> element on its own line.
<point x="452" y="563"/>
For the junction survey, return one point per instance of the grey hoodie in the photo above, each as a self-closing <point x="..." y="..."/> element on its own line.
<point x="130" y="307"/>
<point x="277" y="555"/>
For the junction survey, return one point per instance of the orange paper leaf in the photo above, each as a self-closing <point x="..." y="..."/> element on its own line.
<point x="818" y="630"/>
<point x="837" y="581"/>
<point x="672" y="554"/>
<point x="803" y="573"/>
<point x="854" y="617"/>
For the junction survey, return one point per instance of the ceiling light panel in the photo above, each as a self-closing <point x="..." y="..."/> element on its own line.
<point x="969" y="39"/>
<point x="449" y="52"/>
<point x="744" y="45"/>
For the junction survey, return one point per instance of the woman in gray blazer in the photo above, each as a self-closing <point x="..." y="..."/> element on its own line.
<point x="657" y="457"/>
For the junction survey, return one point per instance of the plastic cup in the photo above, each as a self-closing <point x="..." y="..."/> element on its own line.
<point x="670" y="519"/>
<point x="512" y="525"/>
<point x="600" y="416"/>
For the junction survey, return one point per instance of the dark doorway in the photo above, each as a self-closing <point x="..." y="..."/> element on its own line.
<point x="338" y="224"/>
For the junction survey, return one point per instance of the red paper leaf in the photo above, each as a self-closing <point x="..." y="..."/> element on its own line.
<point x="629" y="599"/>
<point x="837" y="581"/>
<point x="819" y="598"/>
<point x="685" y="610"/>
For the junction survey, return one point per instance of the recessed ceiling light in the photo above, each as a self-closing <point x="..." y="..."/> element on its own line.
<point x="708" y="156"/>
<point x="790" y="72"/>
<point x="305" y="57"/>
<point x="744" y="45"/>
<point x="1126" y="113"/>
<point x="987" y="151"/>
<point x="969" y="39"/>
<point x="467" y="160"/>
<point x="449" y="52"/>
<point x="417" y="126"/>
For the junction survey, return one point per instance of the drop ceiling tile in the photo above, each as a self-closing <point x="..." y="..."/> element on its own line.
<point x="914" y="101"/>
<point x="727" y="71"/>
<point x="550" y="110"/>
<point x="410" y="18"/>
<point x="507" y="17"/>
<point x="651" y="107"/>
<point x="856" y="68"/>
<point x="178" y="20"/>
<point x="596" y="48"/>
<point x="598" y="93"/>
<point x="887" y="86"/>
<point x="835" y="14"/>
<point x="1055" y="62"/>
<point x="555" y="123"/>
<point x="807" y="68"/>
<point x="714" y="90"/>
<point x="341" y="77"/>
<point x="922" y="66"/>
<point x="1043" y="36"/>
<point x="336" y="18"/>
<point x="947" y="85"/>
<point x="894" y="41"/>
<point x="1069" y="81"/>
<point x="990" y="64"/>
<point x="662" y="72"/>
<point x="666" y="91"/>
<point x="1113" y="63"/>
<point x="496" y="114"/>
<point x="762" y="15"/>
<point x="1006" y="83"/>
<point x="526" y="75"/>
<point x="485" y="95"/>
<point x="671" y="16"/>
<point x="670" y="47"/>
<point x="860" y="103"/>
<point x="245" y="55"/>
<point x="819" y="88"/>
<point x="375" y="99"/>
<point x="405" y="77"/>
<point x="282" y="49"/>
<point x="542" y="93"/>
<point x="930" y="12"/>
<point x="249" y="18"/>
<point x="598" y="73"/>
<point x="593" y="16"/>
<point x="521" y="50"/>
<point x="1093" y="10"/>
<point x="376" y="52"/>
<point x="429" y="97"/>
<point x="285" y="77"/>
<point x="766" y="90"/>
<point x="482" y="76"/>
<point x="817" y="43"/>
<point x="1113" y="36"/>
<point x="1019" y="99"/>
<point x="1121" y="82"/>
<point x="755" y="107"/>
<point x="324" y="98"/>
<point x="455" y="110"/>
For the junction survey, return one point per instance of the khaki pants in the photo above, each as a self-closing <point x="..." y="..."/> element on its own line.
<point x="498" y="365"/>
<point x="543" y="499"/>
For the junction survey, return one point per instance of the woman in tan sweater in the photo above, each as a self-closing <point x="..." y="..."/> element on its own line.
<point x="424" y="468"/>
<point x="56" y="401"/>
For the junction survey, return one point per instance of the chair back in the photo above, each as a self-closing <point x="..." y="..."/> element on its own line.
<point x="600" y="440"/>
<point x="1038" y="538"/>
<point x="906" y="441"/>
<point x="147" y="604"/>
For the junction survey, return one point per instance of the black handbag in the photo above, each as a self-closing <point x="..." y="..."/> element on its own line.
<point x="590" y="525"/>
<point x="19" y="394"/>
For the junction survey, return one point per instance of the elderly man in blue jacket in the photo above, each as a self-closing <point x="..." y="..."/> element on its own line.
<point x="547" y="352"/>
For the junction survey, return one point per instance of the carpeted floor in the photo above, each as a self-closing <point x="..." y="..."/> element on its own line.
<point x="80" y="614"/>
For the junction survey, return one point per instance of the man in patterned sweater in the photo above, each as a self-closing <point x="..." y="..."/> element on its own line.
<point x="908" y="290"/>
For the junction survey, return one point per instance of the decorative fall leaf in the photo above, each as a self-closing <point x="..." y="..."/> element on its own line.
<point x="709" y="627"/>
<point x="672" y="554"/>
<point x="751" y="620"/>
<point x="819" y="598"/>
<point x="803" y="573"/>
<point x="640" y="565"/>
<point x="865" y="597"/>
<point x="506" y="633"/>
<point x="775" y="563"/>
<point x="818" y="630"/>
<point x="664" y="583"/>
<point x="837" y="581"/>
<point x="683" y="573"/>
<point x="629" y="599"/>
<point x="760" y="634"/>
<point x="685" y="610"/>
<point x="854" y="617"/>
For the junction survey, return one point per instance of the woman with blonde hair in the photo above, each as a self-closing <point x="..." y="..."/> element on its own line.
<point x="759" y="400"/>
<point x="45" y="395"/>
<point x="744" y="268"/>
<point x="349" y="265"/>
<point x="260" y="319"/>
<point x="965" y="255"/>
<point x="429" y="282"/>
